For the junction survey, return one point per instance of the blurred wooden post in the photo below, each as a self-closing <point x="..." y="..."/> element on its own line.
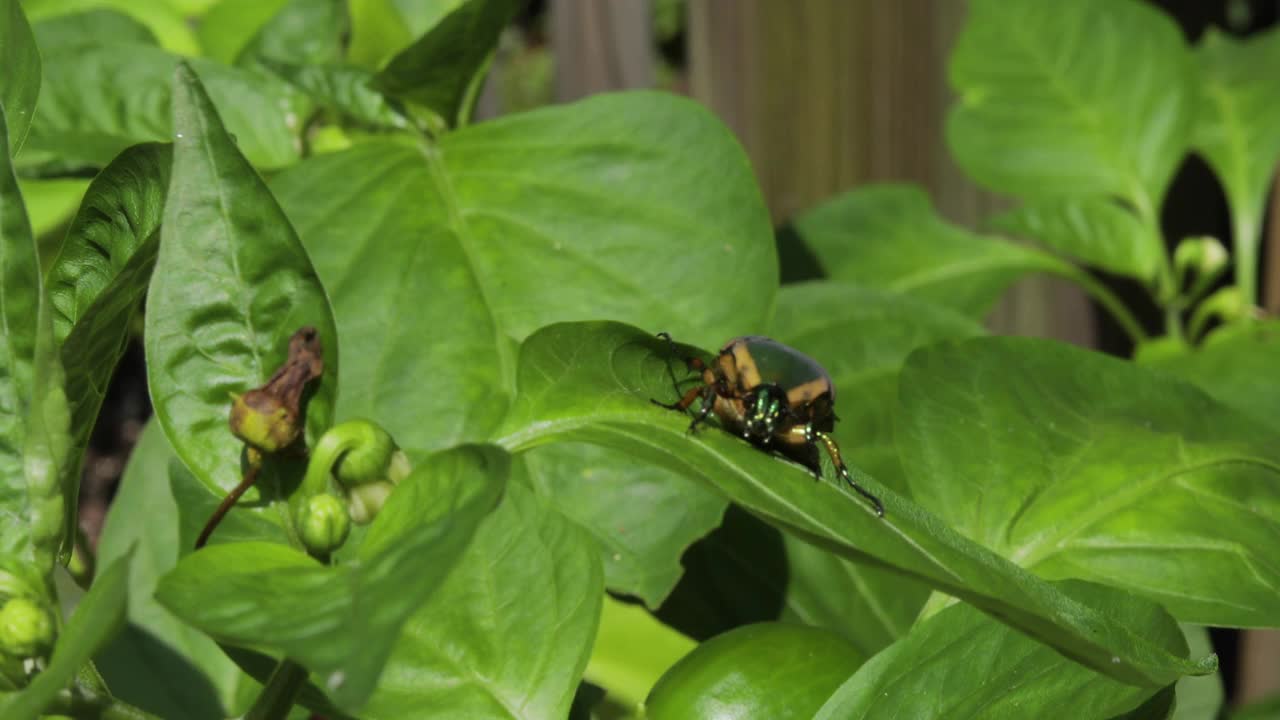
<point x="826" y="95"/>
<point x="601" y="45"/>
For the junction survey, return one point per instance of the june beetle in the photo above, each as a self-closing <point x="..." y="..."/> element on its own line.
<point x="774" y="396"/>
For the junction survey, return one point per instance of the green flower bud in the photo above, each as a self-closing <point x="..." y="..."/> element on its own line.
<point x="26" y="628"/>
<point x="1200" y="255"/>
<point x="263" y="422"/>
<point x="366" y="500"/>
<point x="369" y="454"/>
<point x="323" y="524"/>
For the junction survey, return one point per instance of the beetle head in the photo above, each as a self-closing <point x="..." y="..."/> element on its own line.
<point x="765" y="412"/>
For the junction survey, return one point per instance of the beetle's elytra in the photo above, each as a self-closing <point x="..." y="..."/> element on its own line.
<point x="774" y="396"/>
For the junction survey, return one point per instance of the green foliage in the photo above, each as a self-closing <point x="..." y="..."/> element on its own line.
<point x="1052" y="515"/>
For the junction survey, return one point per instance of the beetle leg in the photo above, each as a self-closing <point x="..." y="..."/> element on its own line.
<point x="813" y="437"/>
<point x="683" y="403"/>
<point x="708" y="402"/>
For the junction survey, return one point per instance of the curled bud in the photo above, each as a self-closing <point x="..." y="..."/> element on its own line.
<point x="323" y="524"/>
<point x="269" y="418"/>
<point x="26" y="628"/>
<point x="366" y="462"/>
<point x="1200" y="256"/>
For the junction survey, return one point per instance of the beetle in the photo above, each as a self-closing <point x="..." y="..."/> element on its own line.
<point x="775" y="397"/>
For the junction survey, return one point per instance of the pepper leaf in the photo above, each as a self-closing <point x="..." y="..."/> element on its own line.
<point x="231" y="284"/>
<point x="623" y="368"/>
<point x="20" y="81"/>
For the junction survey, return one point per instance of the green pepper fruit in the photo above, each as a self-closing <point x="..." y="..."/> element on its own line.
<point x="323" y="524"/>
<point x="26" y="628"/>
<point x="767" y="670"/>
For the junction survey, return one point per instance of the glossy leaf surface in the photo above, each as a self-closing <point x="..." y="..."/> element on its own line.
<point x="889" y="237"/>
<point x="509" y="632"/>
<point x="98" y="279"/>
<point x="20" y="81"/>
<point x="231" y="284"/>
<point x="568" y="213"/>
<point x="625" y="365"/>
<point x="342" y="621"/>
<point x="961" y="663"/>
<point x="1078" y="465"/>
<point x="1048" y="105"/>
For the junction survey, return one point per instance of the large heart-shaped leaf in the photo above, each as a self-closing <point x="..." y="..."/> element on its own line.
<point x="98" y="100"/>
<point x="97" y="618"/>
<point x="162" y="18"/>
<point x="1048" y="105"/>
<point x="1078" y="465"/>
<point x="20" y="81"/>
<point x="231" y="284"/>
<point x="91" y="27"/>
<point x="890" y="237"/>
<point x="342" y="622"/>
<point x="961" y="663"/>
<point x="35" y="504"/>
<point x="444" y="253"/>
<point x="624" y="367"/>
<point x="1235" y="132"/>
<point x="509" y="632"/>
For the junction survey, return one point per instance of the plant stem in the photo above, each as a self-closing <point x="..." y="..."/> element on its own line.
<point x="278" y="695"/>
<point x="1107" y="300"/>
<point x="1244" y="236"/>
<point x="82" y="704"/>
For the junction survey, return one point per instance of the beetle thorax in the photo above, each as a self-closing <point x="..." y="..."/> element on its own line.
<point x="764" y="412"/>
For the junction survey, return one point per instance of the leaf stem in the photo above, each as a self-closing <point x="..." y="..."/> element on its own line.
<point x="1107" y="300"/>
<point x="80" y="703"/>
<point x="1244" y="239"/>
<point x="278" y="695"/>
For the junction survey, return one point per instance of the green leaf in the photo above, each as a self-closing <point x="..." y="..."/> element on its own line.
<point x="231" y="284"/>
<point x="97" y="618"/>
<point x="889" y="237"/>
<point x="378" y="30"/>
<point x="1093" y="230"/>
<point x="747" y="571"/>
<point x="510" y="225"/>
<point x="862" y="336"/>
<point x="1236" y="365"/>
<point x="991" y="670"/>
<point x="20" y="81"/>
<point x="98" y="280"/>
<point x="342" y="621"/>
<point x="1235" y="131"/>
<point x="1199" y="698"/>
<point x="91" y="27"/>
<point x="309" y="32"/>
<point x="166" y="23"/>
<point x="1074" y="464"/>
<point x="36" y="507"/>
<point x="231" y="25"/>
<point x="642" y="518"/>
<point x="1049" y="104"/>
<point x="159" y="663"/>
<point x="509" y="632"/>
<point x="342" y="89"/>
<point x="437" y="69"/>
<point x="51" y="203"/>
<point x="99" y="100"/>
<point x="592" y="382"/>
